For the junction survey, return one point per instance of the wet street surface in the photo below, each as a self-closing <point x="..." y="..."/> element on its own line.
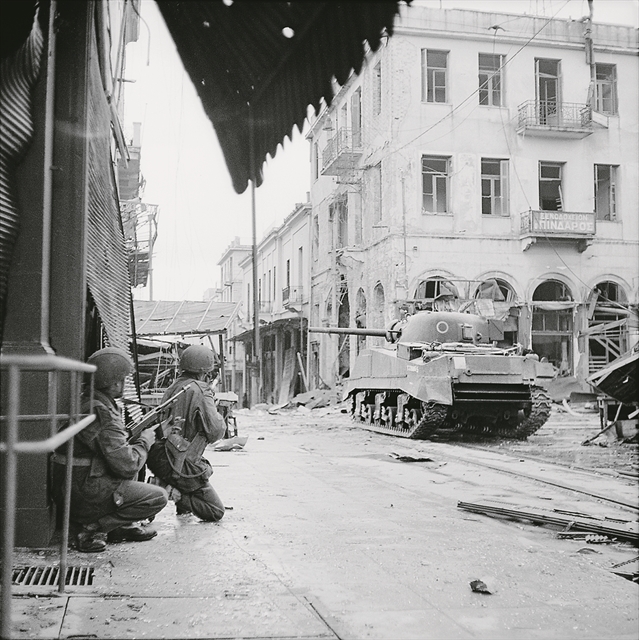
<point x="337" y="532"/>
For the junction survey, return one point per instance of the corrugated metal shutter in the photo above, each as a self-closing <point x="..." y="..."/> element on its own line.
<point x="107" y="266"/>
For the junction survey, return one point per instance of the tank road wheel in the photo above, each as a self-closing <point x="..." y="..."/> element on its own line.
<point x="368" y="413"/>
<point x="536" y="416"/>
<point x="389" y="418"/>
<point x="433" y="417"/>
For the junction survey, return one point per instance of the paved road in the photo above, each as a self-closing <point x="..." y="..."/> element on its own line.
<point x="331" y="537"/>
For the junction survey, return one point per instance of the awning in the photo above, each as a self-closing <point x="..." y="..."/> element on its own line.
<point x="238" y="54"/>
<point x="182" y="317"/>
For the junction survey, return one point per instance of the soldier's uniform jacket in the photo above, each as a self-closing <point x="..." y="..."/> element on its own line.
<point x="103" y="459"/>
<point x="197" y="407"/>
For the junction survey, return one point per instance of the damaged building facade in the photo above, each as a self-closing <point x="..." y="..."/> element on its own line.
<point x="469" y="156"/>
<point x="283" y="293"/>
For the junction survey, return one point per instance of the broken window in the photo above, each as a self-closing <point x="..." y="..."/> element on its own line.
<point x="435" y="176"/>
<point x="550" y="191"/>
<point x="434" y="75"/>
<point x="490" y="79"/>
<point x="494" y="187"/>
<point x="606" y="192"/>
<point x="606" y="89"/>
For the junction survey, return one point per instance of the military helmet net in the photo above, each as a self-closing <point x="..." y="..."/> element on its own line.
<point x="113" y="364"/>
<point x="197" y="359"/>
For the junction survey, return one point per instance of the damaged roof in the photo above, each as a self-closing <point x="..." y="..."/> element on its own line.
<point x="156" y="318"/>
<point x="266" y="62"/>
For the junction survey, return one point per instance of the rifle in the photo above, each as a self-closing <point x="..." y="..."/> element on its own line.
<point x="150" y="418"/>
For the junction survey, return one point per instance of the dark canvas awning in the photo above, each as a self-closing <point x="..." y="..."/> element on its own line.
<point x="182" y="317"/>
<point x="237" y="53"/>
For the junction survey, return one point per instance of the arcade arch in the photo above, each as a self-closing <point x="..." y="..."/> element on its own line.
<point x="553" y="324"/>
<point x="607" y="310"/>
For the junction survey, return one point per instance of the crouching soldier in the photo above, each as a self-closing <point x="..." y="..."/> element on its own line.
<point x="107" y="504"/>
<point x="192" y="422"/>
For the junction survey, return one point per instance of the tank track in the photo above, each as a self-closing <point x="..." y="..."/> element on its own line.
<point x="431" y="417"/>
<point x="539" y="414"/>
<point x="434" y="417"/>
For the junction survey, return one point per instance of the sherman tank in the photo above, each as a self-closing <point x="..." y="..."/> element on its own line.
<point x="443" y="372"/>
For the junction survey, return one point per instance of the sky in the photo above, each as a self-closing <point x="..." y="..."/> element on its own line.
<point x="199" y="212"/>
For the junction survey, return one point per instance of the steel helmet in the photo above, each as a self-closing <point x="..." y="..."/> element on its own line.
<point x="197" y="359"/>
<point x="112" y="364"/>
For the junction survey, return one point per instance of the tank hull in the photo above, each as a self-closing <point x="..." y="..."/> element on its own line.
<point x="465" y="390"/>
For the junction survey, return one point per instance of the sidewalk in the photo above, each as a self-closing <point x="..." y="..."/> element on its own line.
<point x="328" y="537"/>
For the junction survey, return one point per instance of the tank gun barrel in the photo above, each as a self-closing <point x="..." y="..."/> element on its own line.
<point x="381" y="333"/>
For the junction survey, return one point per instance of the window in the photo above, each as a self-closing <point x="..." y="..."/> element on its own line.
<point x="548" y="89"/>
<point x="288" y="274"/>
<point x="606" y="89"/>
<point x="338" y="215"/>
<point x="490" y="81"/>
<point x="435" y="177"/>
<point x="606" y="192"/>
<point x="550" y="192"/>
<point x="375" y="192"/>
<point x="356" y="118"/>
<point x="315" y="162"/>
<point x="434" y="72"/>
<point x="494" y="187"/>
<point x="377" y="89"/>
<point x="300" y="266"/>
<point x="315" y="238"/>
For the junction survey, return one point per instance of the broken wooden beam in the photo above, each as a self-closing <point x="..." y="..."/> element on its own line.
<point x="628" y="531"/>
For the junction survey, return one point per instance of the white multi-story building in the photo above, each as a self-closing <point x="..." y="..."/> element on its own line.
<point x="475" y="147"/>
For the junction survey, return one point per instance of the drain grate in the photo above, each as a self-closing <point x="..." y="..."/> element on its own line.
<point x="43" y="576"/>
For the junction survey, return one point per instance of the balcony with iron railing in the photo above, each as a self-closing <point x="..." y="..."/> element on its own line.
<point x="292" y="294"/>
<point x="557" y="225"/>
<point x="342" y="152"/>
<point x="555" y="119"/>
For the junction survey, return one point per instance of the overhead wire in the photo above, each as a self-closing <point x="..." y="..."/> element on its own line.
<point x="546" y="236"/>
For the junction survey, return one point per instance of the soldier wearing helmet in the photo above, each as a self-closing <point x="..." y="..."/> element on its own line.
<point x="192" y="421"/>
<point x="107" y="504"/>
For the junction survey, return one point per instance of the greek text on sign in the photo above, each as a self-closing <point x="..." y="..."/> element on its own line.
<point x="564" y="222"/>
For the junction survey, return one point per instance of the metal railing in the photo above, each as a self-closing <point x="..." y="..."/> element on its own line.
<point x="343" y="141"/>
<point x="292" y="294"/>
<point x="553" y="114"/>
<point x="10" y="447"/>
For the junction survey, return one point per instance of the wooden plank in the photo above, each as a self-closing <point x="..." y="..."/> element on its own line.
<point x="628" y="531"/>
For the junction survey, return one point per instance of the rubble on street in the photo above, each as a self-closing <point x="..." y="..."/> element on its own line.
<point x="333" y="531"/>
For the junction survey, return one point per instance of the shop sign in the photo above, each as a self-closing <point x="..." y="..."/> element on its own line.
<point x="563" y="222"/>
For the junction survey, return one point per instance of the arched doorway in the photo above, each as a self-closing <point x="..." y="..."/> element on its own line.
<point x="607" y="324"/>
<point x="436" y="294"/>
<point x="376" y="313"/>
<point x="496" y="299"/>
<point x="552" y="324"/>
<point x="360" y="318"/>
<point x="343" y="341"/>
